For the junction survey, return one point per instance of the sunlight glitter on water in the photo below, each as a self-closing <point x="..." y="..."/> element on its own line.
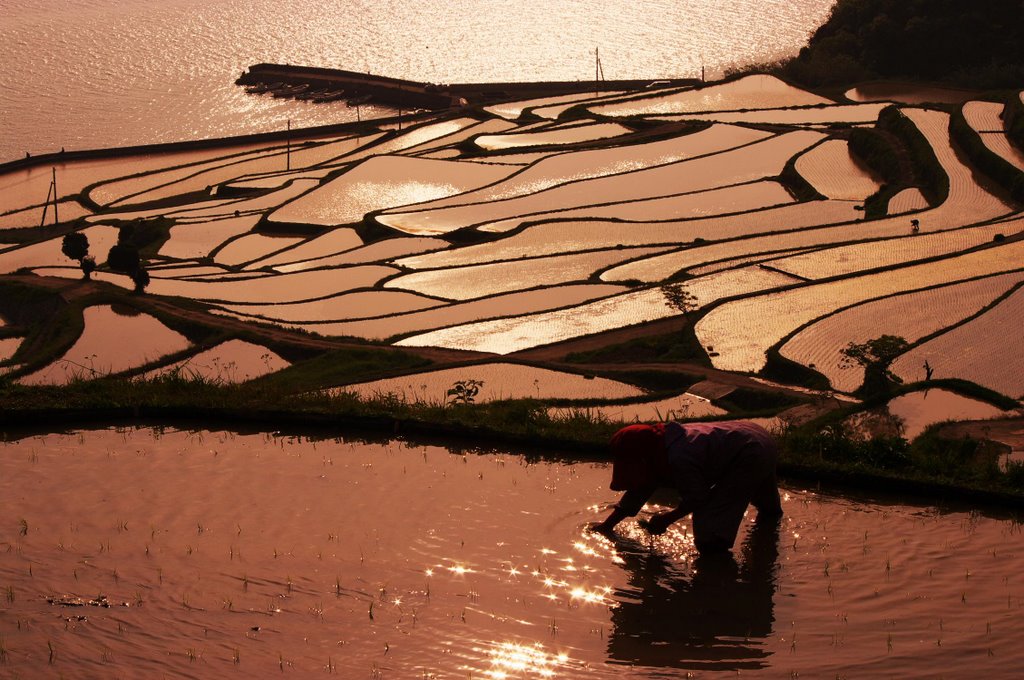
<point x="291" y="551"/>
<point x="113" y="72"/>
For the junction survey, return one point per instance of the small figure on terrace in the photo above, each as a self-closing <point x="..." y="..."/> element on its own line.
<point x="718" y="469"/>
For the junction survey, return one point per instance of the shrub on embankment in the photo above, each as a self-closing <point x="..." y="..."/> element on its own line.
<point x="1013" y="119"/>
<point x="877" y="151"/>
<point x="927" y="170"/>
<point x="995" y="167"/>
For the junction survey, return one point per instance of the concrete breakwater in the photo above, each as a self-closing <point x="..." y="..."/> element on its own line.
<point x="412" y="94"/>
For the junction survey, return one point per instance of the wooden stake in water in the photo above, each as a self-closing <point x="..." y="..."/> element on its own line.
<point x="288" y="153"/>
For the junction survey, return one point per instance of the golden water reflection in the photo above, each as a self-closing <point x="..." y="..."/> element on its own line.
<point x="514" y="659"/>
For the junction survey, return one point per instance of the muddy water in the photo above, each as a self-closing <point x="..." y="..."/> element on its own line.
<point x="248" y="555"/>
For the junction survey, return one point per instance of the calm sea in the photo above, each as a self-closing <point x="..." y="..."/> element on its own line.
<point x="93" y="73"/>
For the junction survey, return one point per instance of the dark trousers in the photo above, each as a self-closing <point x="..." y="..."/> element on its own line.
<point x="750" y="480"/>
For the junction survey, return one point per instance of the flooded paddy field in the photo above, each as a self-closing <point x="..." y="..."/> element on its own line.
<point x="218" y="554"/>
<point x="529" y="226"/>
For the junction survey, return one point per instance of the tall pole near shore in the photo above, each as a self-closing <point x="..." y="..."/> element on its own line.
<point x="56" y="220"/>
<point x="288" y="152"/>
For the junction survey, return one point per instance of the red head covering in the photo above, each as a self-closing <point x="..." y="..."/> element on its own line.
<point x="634" y="451"/>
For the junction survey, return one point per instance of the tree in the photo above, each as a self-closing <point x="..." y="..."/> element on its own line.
<point x="123" y="258"/>
<point x="76" y="247"/>
<point x="141" y="279"/>
<point x="875" y="356"/>
<point x="679" y="298"/>
<point x="88" y="266"/>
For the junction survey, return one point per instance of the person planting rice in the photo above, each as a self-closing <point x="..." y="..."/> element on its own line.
<point x="717" y="468"/>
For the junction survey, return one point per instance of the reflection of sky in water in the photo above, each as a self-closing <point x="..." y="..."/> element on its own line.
<point x="409" y="561"/>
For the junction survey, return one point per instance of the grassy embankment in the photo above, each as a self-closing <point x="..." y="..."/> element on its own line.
<point x="824" y="450"/>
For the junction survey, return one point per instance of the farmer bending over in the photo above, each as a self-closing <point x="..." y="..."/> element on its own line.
<point x="718" y="468"/>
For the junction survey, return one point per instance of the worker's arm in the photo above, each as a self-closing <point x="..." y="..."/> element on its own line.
<point x="610" y="522"/>
<point x="659" y="524"/>
<point x="628" y="506"/>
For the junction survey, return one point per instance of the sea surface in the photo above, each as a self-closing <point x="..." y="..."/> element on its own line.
<point x="80" y="74"/>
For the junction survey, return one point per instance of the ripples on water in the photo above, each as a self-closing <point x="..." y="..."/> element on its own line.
<point x="230" y="555"/>
<point x="92" y="73"/>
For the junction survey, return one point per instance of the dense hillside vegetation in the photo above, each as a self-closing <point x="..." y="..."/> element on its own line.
<point x="956" y="41"/>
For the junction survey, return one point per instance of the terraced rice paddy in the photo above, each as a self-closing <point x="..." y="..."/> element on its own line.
<point x="984" y="116"/>
<point x="499" y="306"/>
<point x="740" y="198"/>
<point x="567" y="135"/>
<point x="34" y="216"/>
<point x="505" y="336"/>
<point x="751" y="92"/>
<point x="372" y="185"/>
<point x="981" y="350"/>
<point x="682" y="407"/>
<point x="8" y="346"/>
<point x="998" y="143"/>
<point x="834" y="173"/>
<point x="338" y="307"/>
<point x="907" y="93"/>
<point x="101" y="239"/>
<point x="333" y="241"/>
<point x="811" y="115"/>
<point x="907" y="315"/>
<point x="112" y="341"/>
<point x="229" y="362"/>
<point x="440" y="231"/>
<point x="251" y="247"/>
<point x="497" y="381"/>
<point x="910" y="414"/>
<point x="479" y="281"/>
<point x="743" y="330"/>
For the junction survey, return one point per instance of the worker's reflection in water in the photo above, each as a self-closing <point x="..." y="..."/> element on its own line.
<point x="714" y="618"/>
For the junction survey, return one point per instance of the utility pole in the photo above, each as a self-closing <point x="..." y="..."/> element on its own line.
<point x="52" y="191"/>
<point x="56" y="220"/>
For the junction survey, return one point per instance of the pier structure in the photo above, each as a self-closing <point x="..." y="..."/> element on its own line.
<point x="398" y="92"/>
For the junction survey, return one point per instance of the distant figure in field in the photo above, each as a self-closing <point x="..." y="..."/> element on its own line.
<point x="717" y="468"/>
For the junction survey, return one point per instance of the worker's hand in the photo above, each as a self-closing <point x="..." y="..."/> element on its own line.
<point x="658" y="524"/>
